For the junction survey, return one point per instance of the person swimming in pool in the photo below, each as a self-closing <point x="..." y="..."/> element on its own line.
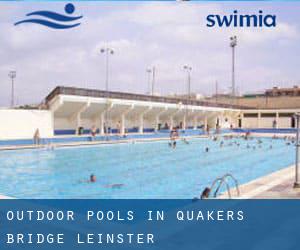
<point x="205" y="193"/>
<point x="93" y="178"/>
<point x="207" y="149"/>
<point x="116" y="185"/>
<point x="185" y="141"/>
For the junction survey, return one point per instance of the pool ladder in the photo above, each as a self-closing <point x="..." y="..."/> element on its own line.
<point x="223" y="180"/>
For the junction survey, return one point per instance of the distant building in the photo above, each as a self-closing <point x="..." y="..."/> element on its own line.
<point x="274" y="92"/>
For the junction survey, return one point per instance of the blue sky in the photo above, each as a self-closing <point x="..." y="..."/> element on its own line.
<point x="167" y="35"/>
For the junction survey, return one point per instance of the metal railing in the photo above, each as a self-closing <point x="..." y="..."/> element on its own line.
<point x="130" y="96"/>
<point x="220" y="182"/>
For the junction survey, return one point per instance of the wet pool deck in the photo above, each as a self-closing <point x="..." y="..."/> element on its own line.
<point x="278" y="185"/>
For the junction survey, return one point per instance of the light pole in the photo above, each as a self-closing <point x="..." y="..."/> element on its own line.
<point x="153" y="79"/>
<point x="297" y="181"/>
<point x="233" y="44"/>
<point x="12" y="75"/>
<point x="217" y="91"/>
<point x="107" y="51"/>
<point x="149" y="72"/>
<point x="153" y="72"/>
<point x="188" y="69"/>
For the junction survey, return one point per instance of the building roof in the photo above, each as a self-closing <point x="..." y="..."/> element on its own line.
<point x="60" y="90"/>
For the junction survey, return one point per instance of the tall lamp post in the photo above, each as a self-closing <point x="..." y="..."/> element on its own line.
<point x="12" y="75"/>
<point x="149" y="73"/>
<point x="297" y="181"/>
<point x="233" y="44"/>
<point x="108" y="52"/>
<point x="188" y="70"/>
<point x="153" y="72"/>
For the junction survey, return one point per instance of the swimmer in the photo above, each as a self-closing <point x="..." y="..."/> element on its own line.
<point x="93" y="178"/>
<point x="117" y="185"/>
<point x="207" y="149"/>
<point x="174" y="144"/>
<point x="205" y="193"/>
<point x="185" y="141"/>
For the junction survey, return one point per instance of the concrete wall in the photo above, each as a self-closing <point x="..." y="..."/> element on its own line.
<point x="250" y="122"/>
<point x="284" y="122"/>
<point x="266" y="122"/>
<point x="22" y="124"/>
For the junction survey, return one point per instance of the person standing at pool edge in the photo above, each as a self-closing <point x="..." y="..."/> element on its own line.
<point x="36" y="137"/>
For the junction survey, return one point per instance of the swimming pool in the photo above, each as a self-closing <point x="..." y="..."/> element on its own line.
<point x="147" y="170"/>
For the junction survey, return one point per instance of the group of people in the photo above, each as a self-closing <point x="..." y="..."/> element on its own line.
<point x="174" y="135"/>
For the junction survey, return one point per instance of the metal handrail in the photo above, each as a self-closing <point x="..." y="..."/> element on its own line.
<point x="220" y="181"/>
<point x="235" y="182"/>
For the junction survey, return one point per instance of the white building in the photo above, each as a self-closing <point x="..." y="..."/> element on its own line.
<point x="70" y="109"/>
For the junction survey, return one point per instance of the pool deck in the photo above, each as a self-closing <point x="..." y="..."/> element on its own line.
<point x="130" y="140"/>
<point x="277" y="185"/>
<point x="98" y="142"/>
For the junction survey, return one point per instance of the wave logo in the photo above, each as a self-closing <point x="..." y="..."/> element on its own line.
<point x="53" y="20"/>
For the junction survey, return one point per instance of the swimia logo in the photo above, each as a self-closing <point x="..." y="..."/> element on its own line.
<point x="52" y="19"/>
<point x="242" y="20"/>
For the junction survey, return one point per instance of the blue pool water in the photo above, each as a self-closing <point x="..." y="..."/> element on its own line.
<point x="147" y="170"/>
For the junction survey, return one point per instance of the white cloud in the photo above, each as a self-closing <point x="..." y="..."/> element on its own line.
<point x="167" y="35"/>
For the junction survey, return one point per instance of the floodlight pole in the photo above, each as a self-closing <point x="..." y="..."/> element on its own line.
<point x="12" y="75"/>
<point x="297" y="181"/>
<point x="149" y="72"/>
<point x="233" y="44"/>
<point x="107" y="51"/>
<point x="153" y="79"/>
<point x="188" y="69"/>
<point x="217" y="91"/>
